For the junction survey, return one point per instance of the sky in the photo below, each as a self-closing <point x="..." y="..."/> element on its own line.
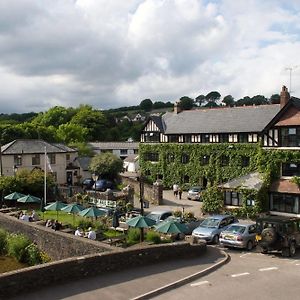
<point x="117" y="53"/>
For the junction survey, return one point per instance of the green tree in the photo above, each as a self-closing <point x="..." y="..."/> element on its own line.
<point x="228" y="100"/>
<point x="186" y="103"/>
<point x="199" y="100"/>
<point x="146" y="105"/>
<point x="275" y="99"/>
<point x="106" y="165"/>
<point x="213" y="97"/>
<point x="71" y="133"/>
<point x="82" y="148"/>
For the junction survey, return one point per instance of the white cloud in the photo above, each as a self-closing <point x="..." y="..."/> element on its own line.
<point x="117" y="53"/>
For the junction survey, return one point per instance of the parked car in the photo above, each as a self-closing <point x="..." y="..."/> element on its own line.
<point x="239" y="235"/>
<point x="190" y="225"/>
<point x="159" y="215"/>
<point x="194" y="193"/>
<point x="87" y="183"/>
<point x="211" y="227"/>
<point x="278" y="233"/>
<point x="102" y="185"/>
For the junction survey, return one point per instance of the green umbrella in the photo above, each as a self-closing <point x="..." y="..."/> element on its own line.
<point x="171" y="226"/>
<point x="73" y="208"/>
<point x="92" y="212"/>
<point x="14" y="196"/>
<point x="29" y="199"/>
<point x="140" y="222"/>
<point x="55" y="206"/>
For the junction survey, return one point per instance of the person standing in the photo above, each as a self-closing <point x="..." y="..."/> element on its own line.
<point x="175" y="189"/>
<point x="179" y="193"/>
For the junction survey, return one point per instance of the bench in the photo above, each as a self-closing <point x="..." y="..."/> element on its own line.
<point x="115" y="241"/>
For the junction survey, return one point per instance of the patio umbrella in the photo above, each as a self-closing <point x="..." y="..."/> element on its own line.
<point x="55" y="206"/>
<point x="92" y="212"/>
<point x="73" y="208"/>
<point x="29" y="199"/>
<point x="171" y="226"/>
<point x="14" y="196"/>
<point x="140" y="222"/>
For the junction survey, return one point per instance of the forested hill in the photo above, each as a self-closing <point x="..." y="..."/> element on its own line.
<point x="77" y="126"/>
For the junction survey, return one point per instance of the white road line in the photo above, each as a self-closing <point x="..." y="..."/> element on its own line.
<point x="268" y="269"/>
<point x="243" y="255"/>
<point x="199" y="283"/>
<point x="297" y="264"/>
<point x="240" y="274"/>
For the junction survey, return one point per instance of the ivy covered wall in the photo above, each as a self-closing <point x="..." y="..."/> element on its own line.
<point x="189" y="164"/>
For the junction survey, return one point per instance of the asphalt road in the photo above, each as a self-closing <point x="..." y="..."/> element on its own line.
<point x="249" y="275"/>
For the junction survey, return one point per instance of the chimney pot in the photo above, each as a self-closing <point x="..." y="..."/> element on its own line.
<point x="177" y="108"/>
<point x="284" y="96"/>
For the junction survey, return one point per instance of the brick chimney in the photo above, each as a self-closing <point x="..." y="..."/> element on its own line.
<point x="284" y="96"/>
<point x="177" y="108"/>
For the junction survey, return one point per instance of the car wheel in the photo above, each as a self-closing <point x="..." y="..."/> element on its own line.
<point x="292" y="249"/>
<point x="264" y="251"/>
<point x="269" y="235"/>
<point x="249" y="245"/>
<point x="215" y="239"/>
<point x="285" y="252"/>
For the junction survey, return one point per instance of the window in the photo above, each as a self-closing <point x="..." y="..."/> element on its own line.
<point x="170" y="157"/>
<point x="243" y="137"/>
<point x="151" y="137"/>
<point x="173" y="138"/>
<point x="186" y="179"/>
<point x="204" y="160"/>
<point x="52" y="158"/>
<point x="245" y="161"/>
<point x="291" y="169"/>
<point x="187" y="138"/>
<point x="17" y="160"/>
<point x="285" y="203"/>
<point x="135" y="151"/>
<point x="67" y="157"/>
<point x="224" y="161"/>
<point x="290" y="137"/>
<point x="36" y="160"/>
<point x="224" y="138"/>
<point x="233" y="198"/>
<point x="205" y="138"/>
<point x="151" y="156"/>
<point x="123" y="151"/>
<point x="252" y="229"/>
<point x="185" y="158"/>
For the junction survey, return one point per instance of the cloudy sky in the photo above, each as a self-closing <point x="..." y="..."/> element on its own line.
<point x="118" y="52"/>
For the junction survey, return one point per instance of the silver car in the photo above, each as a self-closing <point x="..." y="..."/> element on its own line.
<point x="194" y="193"/>
<point x="211" y="227"/>
<point x="241" y="235"/>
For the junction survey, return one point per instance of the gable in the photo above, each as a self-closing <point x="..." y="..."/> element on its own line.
<point x="151" y="126"/>
<point x="291" y="117"/>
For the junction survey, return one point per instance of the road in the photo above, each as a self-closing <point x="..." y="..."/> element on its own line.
<point x="249" y="275"/>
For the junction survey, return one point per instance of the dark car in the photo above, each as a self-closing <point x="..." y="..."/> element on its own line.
<point x="102" y="185"/>
<point x="88" y="183"/>
<point x="278" y="233"/>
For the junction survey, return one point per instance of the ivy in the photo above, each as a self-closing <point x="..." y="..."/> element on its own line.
<point x="206" y="161"/>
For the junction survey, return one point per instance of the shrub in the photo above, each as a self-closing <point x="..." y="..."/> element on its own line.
<point x="85" y="223"/>
<point x="33" y="255"/>
<point x="134" y="235"/>
<point x="153" y="237"/>
<point x="129" y="206"/>
<point x="16" y="246"/>
<point x="177" y="213"/>
<point x="3" y="241"/>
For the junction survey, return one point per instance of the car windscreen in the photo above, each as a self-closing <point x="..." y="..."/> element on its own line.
<point x="210" y="222"/>
<point x="236" y="229"/>
<point x="154" y="217"/>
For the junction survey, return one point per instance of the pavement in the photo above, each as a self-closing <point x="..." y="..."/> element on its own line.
<point x="170" y="202"/>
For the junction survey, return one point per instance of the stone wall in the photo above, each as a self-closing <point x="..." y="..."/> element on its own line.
<point x="152" y="193"/>
<point x="58" y="245"/>
<point x="17" y="282"/>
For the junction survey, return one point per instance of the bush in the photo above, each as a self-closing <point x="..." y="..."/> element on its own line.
<point x="33" y="255"/>
<point x="133" y="235"/>
<point x="3" y="241"/>
<point x="16" y="246"/>
<point x="85" y="223"/>
<point x="153" y="237"/>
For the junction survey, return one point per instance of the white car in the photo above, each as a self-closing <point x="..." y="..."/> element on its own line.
<point x="194" y="193"/>
<point x="159" y="215"/>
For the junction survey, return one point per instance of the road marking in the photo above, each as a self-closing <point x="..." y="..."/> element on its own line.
<point x="199" y="283"/>
<point x="268" y="269"/>
<point x="243" y="255"/>
<point x="298" y="264"/>
<point x="240" y="274"/>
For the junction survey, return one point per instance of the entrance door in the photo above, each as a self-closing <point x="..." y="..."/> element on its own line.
<point x="69" y="177"/>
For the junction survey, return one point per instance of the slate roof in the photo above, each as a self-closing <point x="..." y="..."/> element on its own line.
<point x="114" y="145"/>
<point x="33" y="147"/>
<point x="250" y="181"/>
<point x="220" y="120"/>
<point x="83" y="162"/>
<point x="131" y="158"/>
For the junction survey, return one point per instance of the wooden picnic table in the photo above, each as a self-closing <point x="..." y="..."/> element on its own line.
<point x="114" y="241"/>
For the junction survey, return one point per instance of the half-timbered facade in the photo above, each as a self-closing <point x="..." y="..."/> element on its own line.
<point x="274" y="127"/>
